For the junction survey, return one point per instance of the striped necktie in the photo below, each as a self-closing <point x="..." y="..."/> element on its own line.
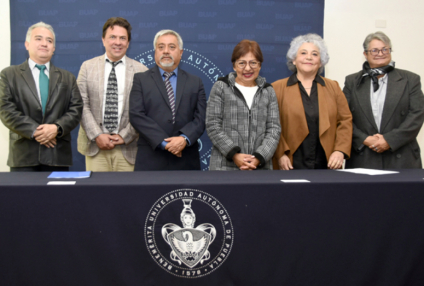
<point x="170" y="91"/>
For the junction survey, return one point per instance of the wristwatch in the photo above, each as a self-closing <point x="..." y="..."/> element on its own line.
<point x="59" y="130"/>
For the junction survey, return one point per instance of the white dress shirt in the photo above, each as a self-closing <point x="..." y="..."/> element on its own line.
<point x="36" y="74"/>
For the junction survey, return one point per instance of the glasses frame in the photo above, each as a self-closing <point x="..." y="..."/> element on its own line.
<point x="250" y="64"/>
<point x="378" y="51"/>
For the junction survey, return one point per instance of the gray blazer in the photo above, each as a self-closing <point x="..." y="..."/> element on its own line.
<point x="234" y="128"/>
<point x="403" y="116"/>
<point x="20" y="111"/>
<point x="91" y="79"/>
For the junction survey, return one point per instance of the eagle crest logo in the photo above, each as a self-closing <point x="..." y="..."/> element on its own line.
<point x="189" y="244"/>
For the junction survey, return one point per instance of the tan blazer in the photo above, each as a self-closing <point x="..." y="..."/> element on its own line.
<point x="335" y="119"/>
<point x="91" y="84"/>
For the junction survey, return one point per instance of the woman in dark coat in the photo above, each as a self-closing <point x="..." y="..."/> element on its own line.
<point x="387" y="105"/>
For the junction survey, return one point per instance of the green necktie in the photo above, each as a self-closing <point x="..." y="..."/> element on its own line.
<point x="44" y="86"/>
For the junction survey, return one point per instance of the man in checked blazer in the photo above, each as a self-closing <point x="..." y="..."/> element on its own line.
<point x="167" y="108"/>
<point x="108" y="146"/>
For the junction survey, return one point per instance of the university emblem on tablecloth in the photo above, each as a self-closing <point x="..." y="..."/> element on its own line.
<point x="189" y="245"/>
<point x="180" y="246"/>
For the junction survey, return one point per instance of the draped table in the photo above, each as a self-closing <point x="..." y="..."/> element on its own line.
<point x="213" y="228"/>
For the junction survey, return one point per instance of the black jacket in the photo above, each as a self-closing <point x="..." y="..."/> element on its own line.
<point x="20" y="111"/>
<point x="151" y="116"/>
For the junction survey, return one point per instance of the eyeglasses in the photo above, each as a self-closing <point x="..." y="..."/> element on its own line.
<point x="252" y="64"/>
<point x="383" y="51"/>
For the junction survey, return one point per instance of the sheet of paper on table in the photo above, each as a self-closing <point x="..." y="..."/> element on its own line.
<point x="368" y="171"/>
<point x="61" y="183"/>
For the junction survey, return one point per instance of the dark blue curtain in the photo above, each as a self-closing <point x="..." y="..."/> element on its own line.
<point x="210" y="30"/>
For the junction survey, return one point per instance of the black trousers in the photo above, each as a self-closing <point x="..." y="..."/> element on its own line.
<point x="39" y="168"/>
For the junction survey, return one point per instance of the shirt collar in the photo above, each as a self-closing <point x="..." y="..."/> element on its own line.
<point x="293" y="80"/>
<point x="384" y="78"/>
<point x="175" y="71"/>
<point x="32" y="64"/>
<point x="123" y="59"/>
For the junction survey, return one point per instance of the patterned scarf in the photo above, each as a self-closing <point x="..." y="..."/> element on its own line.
<point x="373" y="73"/>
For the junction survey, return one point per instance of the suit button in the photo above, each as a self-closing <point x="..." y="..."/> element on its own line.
<point x="101" y="124"/>
<point x="399" y="155"/>
<point x="169" y="121"/>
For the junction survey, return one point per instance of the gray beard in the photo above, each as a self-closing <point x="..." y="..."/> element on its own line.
<point x="167" y="65"/>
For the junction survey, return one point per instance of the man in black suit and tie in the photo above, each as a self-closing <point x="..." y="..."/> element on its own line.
<point x="40" y="104"/>
<point x="167" y="108"/>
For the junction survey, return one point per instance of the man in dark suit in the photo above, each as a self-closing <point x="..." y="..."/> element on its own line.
<point x="387" y="106"/>
<point x="40" y="104"/>
<point x="167" y="108"/>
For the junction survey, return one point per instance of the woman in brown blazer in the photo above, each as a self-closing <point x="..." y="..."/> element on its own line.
<point x="316" y="123"/>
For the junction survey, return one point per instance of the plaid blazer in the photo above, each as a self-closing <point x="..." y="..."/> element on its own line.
<point x="91" y="84"/>
<point x="234" y="128"/>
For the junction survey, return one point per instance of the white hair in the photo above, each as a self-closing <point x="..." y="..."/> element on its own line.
<point x="40" y="25"/>
<point x="168" y="32"/>
<point x="308" y="38"/>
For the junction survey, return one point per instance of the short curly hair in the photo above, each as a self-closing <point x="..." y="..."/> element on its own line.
<point x="299" y="41"/>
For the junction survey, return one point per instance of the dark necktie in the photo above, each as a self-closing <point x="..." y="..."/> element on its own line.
<point x="43" y="81"/>
<point x="170" y="94"/>
<point x="110" y="120"/>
